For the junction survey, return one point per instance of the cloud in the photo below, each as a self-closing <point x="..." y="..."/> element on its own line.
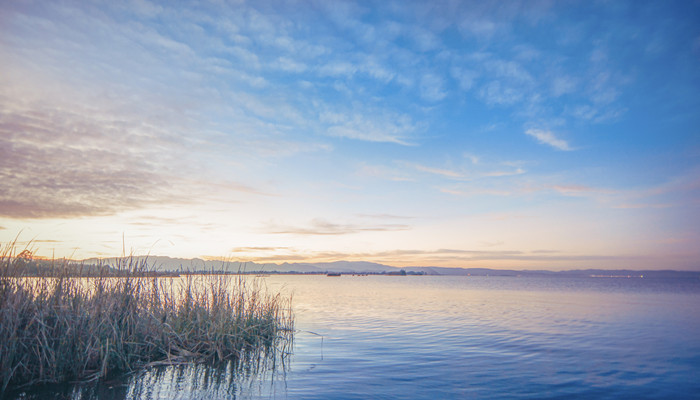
<point x="468" y="192"/>
<point x="464" y="76"/>
<point x="338" y="69"/>
<point x="372" y="134"/>
<point x="322" y="227"/>
<point x="406" y="252"/>
<point x="150" y="220"/>
<point x="223" y="186"/>
<point x="57" y="163"/>
<point x="432" y="88"/>
<point x="496" y="92"/>
<point x="451" y="256"/>
<point x="580" y="190"/>
<point x="258" y="249"/>
<point x="585" y="112"/>
<point x="425" y="40"/>
<point x="370" y="127"/>
<point x="383" y="216"/>
<point x="358" y="66"/>
<point x="517" y="171"/>
<point x="474" y="159"/>
<point x="509" y="70"/>
<point x="462" y="174"/>
<point x="438" y="171"/>
<point x="563" y="85"/>
<point x="479" y="27"/>
<point x="596" y="114"/>
<point x="642" y="206"/>
<point x="377" y="71"/>
<point x="62" y="158"/>
<point x="548" y="138"/>
<point x="685" y="183"/>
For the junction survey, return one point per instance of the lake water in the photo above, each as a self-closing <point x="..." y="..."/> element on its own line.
<point x="440" y="337"/>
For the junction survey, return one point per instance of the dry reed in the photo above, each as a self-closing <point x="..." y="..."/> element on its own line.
<point x="62" y="328"/>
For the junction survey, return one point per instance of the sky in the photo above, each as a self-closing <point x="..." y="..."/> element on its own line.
<point x="511" y="134"/>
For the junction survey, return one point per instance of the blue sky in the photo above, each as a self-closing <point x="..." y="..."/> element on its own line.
<point x="501" y="134"/>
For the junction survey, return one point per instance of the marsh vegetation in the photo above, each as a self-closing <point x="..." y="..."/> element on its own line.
<point x="62" y="328"/>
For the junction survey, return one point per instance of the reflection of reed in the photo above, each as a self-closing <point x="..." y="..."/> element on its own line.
<point x="63" y="328"/>
<point x="226" y="380"/>
<point x="185" y="381"/>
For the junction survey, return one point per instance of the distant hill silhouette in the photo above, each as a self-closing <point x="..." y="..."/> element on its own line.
<point x="168" y="264"/>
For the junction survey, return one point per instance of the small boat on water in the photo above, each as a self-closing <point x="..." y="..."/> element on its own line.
<point x="333" y="274"/>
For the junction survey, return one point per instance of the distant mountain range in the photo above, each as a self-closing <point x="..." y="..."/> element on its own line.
<point x="168" y="264"/>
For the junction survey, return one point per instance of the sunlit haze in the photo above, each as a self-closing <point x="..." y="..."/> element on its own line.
<point x="500" y="134"/>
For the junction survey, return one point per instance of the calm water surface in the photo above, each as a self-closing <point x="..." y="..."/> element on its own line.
<point x="380" y="337"/>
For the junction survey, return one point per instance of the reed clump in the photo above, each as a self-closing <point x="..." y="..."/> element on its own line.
<point x="62" y="328"/>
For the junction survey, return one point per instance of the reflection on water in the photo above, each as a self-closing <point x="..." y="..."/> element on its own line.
<point x="461" y="337"/>
<point x="186" y="381"/>
<point x="197" y="382"/>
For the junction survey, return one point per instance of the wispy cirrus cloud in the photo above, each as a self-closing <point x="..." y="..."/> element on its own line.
<point x="563" y="84"/>
<point x="385" y="216"/>
<point x="422" y="257"/>
<point x="432" y="88"/>
<point x="250" y="249"/>
<point x="474" y="171"/>
<point x="390" y="128"/>
<point x="324" y="227"/>
<point x="547" y="137"/>
<point x="498" y="93"/>
<point x="464" y="76"/>
<point x="476" y="191"/>
<point x="448" y="173"/>
<point x="582" y="190"/>
<point x="643" y="205"/>
<point x="517" y="171"/>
